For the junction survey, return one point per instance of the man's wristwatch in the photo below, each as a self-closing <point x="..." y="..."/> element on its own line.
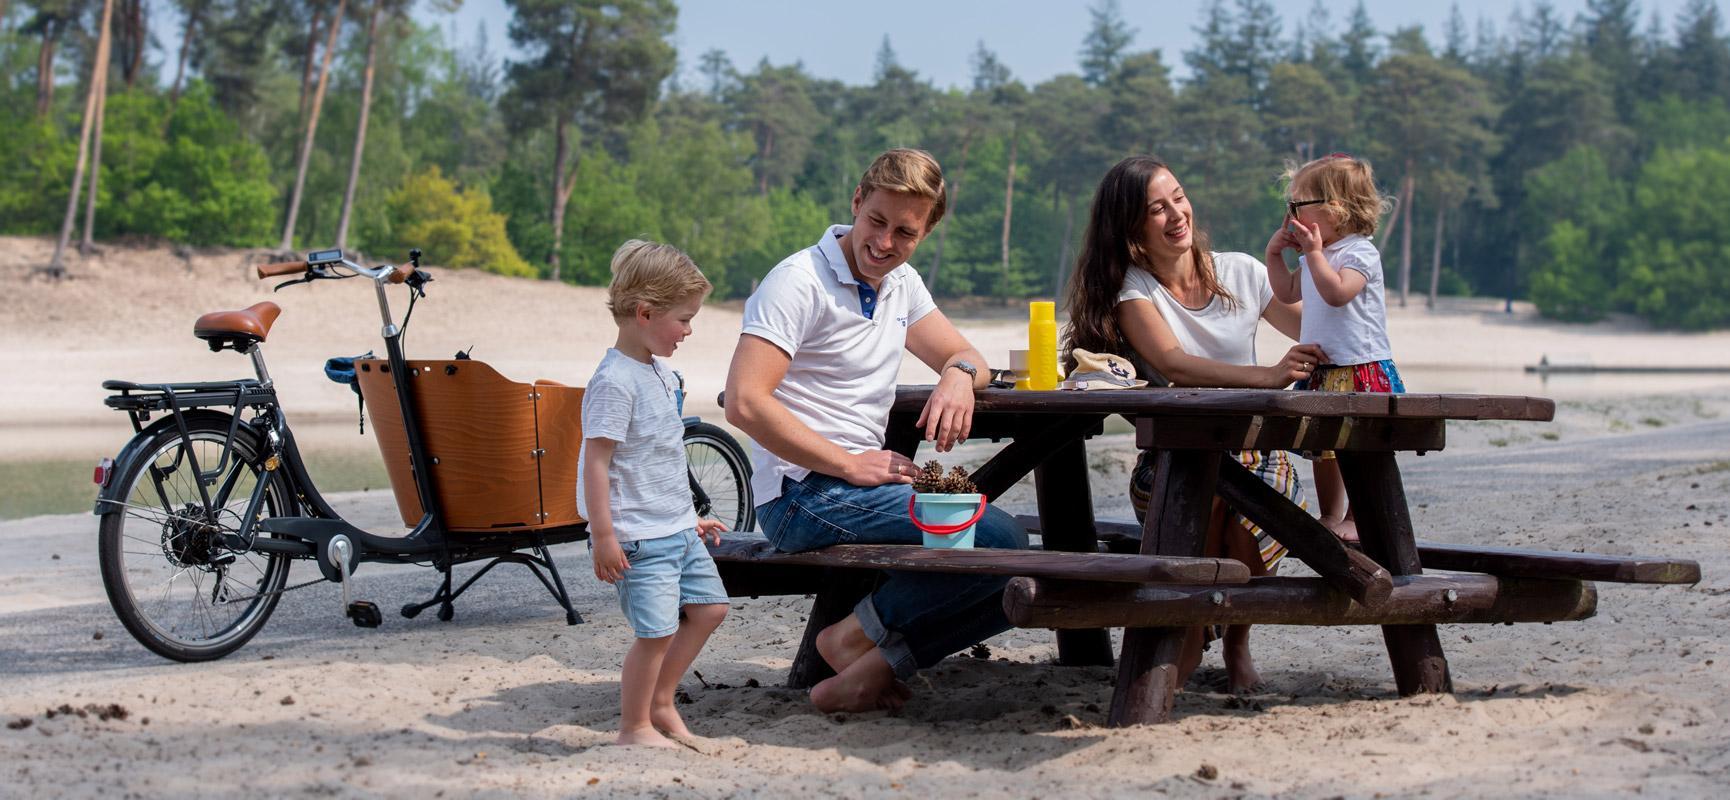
<point x="972" y="371"/>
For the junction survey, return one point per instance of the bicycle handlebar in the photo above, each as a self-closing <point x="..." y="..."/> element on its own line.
<point x="280" y="268"/>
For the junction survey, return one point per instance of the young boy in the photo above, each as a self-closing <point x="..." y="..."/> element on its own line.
<point x="643" y="530"/>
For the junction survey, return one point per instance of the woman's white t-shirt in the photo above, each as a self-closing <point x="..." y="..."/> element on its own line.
<point x="1221" y="331"/>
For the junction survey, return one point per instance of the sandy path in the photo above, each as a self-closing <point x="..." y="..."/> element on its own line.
<point x="506" y="700"/>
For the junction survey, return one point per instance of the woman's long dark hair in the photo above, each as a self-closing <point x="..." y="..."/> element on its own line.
<point x="1111" y="245"/>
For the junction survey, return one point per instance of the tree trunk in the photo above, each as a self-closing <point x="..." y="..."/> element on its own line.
<point x="55" y="269"/>
<point x="1063" y="248"/>
<point x="360" y="129"/>
<point x="563" y="184"/>
<point x="1406" y="240"/>
<point x="311" y="129"/>
<point x="1009" y="202"/>
<point x="180" y="68"/>
<point x="45" y="68"/>
<point x="88" y="242"/>
<point x="135" y="43"/>
<point x="954" y="205"/>
<point x="1436" y="257"/>
<point x="307" y="59"/>
<point x="764" y="151"/>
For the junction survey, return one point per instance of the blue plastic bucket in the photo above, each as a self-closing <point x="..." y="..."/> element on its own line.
<point x="947" y="520"/>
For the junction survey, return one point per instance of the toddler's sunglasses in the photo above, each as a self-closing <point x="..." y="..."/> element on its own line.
<point x="1294" y="205"/>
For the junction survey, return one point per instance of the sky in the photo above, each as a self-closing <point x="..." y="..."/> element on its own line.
<point x="1036" y="39"/>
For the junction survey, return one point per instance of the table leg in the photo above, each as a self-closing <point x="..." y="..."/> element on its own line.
<point x="1378" y="501"/>
<point x="1066" y="524"/>
<point x="1177" y="516"/>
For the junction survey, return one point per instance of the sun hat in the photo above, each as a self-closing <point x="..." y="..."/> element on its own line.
<point x="1101" y="371"/>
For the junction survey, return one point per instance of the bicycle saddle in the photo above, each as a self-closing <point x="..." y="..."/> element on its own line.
<point x="237" y="329"/>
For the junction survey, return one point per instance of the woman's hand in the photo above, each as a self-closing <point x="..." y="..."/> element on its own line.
<point x="1299" y="363"/>
<point x="710" y="528"/>
<point x="609" y="558"/>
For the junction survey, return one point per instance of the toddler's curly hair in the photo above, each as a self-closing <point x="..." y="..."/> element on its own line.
<point x="1348" y="184"/>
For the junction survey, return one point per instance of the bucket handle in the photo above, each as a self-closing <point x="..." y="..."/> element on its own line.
<point x="946" y="530"/>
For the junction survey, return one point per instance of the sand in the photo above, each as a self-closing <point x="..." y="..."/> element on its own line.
<point x="506" y="700"/>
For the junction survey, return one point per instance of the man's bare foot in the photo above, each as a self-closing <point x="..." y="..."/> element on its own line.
<point x="843" y="643"/>
<point x="666" y="719"/>
<point x="868" y="684"/>
<point x="648" y="737"/>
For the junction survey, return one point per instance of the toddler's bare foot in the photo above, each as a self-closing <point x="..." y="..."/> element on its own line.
<point x="648" y="737"/>
<point x="1346" y="529"/>
<point x="666" y="719"/>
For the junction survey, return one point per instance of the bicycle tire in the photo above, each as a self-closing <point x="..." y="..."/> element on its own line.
<point x="162" y="521"/>
<point x="718" y="467"/>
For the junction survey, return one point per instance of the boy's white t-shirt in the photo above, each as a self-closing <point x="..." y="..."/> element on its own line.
<point x="841" y="380"/>
<point x="1357" y="332"/>
<point x="631" y="403"/>
<point x="1219" y="331"/>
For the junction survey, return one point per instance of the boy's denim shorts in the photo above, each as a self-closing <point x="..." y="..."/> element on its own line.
<point x="667" y="573"/>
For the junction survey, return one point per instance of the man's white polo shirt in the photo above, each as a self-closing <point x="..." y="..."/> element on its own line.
<point x="841" y="381"/>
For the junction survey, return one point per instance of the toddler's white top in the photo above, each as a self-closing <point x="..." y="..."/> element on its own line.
<point x="1357" y="332"/>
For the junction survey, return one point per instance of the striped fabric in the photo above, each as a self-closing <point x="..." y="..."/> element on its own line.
<point x="1275" y="469"/>
<point x="1375" y="376"/>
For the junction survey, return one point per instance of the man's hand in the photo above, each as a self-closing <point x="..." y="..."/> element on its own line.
<point x="710" y="528"/>
<point x="609" y="558"/>
<point x="948" y="414"/>
<point x="877" y="467"/>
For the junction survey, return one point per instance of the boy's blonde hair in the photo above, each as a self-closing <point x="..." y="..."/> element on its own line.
<point x="652" y="275"/>
<point x="908" y="171"/>
<point x="1348" y="184"/>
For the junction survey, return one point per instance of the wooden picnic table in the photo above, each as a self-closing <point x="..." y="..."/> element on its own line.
<point x="1189" y="432"/>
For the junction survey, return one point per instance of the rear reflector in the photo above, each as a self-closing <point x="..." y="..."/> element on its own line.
<point x="104" y="471"/>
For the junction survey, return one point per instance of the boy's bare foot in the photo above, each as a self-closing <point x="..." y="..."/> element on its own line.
<point x="1240" y="674"/>
<point x="648" y="737"/>
<point x="843" y="643"/>
<point x="868" y="684"/>
<point x="666" y="719"/>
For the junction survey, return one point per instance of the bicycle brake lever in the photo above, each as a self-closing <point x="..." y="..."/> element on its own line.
<point x="307" y="278"/>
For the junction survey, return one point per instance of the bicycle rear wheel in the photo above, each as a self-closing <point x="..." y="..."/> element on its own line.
<point x="720" y="476"/>
<point x="176" y="575"/>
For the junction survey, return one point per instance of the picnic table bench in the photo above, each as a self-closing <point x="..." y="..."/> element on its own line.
<point x="1152" y="578"/>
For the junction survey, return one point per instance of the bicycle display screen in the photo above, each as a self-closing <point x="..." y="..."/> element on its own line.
<point x="320" y="257"/>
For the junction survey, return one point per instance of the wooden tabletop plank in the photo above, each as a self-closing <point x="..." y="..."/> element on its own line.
<point x="1073" y="566"/>
<point x="1266" y="402"/>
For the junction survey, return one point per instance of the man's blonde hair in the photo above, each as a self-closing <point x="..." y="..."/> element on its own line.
<point x="906" y="170"/>
<point x="654" y="276"/>
<point x="1348" y="184"/>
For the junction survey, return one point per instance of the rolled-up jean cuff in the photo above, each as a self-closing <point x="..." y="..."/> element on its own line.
<point x="894" y="648"/>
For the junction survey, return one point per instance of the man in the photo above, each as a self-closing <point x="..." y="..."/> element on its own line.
<point x="812" y="382"/>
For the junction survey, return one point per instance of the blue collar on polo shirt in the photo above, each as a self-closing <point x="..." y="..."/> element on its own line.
<point x="830" y="247"/>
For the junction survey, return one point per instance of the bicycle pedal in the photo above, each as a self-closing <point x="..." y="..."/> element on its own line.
<point x="365" y="614"/>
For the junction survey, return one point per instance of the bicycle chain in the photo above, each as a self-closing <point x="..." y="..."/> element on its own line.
<point x="282" y="591"/>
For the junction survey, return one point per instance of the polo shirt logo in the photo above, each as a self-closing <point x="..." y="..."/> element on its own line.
<point x="902" y="319"/>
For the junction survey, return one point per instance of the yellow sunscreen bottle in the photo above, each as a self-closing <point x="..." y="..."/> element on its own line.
<point x="1042" y="345"/>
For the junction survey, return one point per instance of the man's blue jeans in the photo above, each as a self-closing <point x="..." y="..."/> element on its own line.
<point x="916" y="618"/>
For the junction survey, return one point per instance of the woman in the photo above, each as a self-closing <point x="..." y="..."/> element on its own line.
<point x="1147" y="281"/>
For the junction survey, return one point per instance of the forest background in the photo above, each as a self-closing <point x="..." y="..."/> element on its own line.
<point x="1582" y="163"/>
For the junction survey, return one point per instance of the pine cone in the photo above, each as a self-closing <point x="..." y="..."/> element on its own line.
<point x="957" y="482"/>
<point x="929" y="479"/>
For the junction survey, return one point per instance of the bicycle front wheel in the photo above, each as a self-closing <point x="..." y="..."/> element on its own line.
<point x="178" y="573"/>
<point x="720" y="476"/>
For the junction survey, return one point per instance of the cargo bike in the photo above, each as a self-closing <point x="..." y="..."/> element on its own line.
<point x="203" y="512"/>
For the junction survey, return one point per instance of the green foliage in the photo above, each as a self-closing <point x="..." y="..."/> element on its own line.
<point x="1673" y="272"/>
<point x="454" y="228"/>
